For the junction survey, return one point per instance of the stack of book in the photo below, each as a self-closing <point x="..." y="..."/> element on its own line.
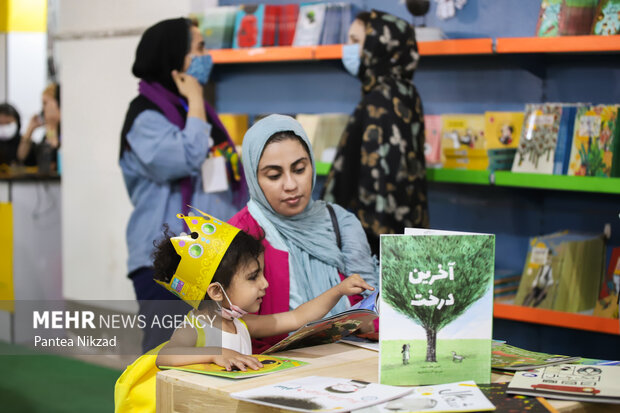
<point x="463" y="142"/>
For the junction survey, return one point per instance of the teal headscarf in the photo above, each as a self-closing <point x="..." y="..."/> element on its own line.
<point x="309" y="238"/>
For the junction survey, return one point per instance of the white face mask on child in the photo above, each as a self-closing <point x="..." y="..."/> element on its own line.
<point x="234" y="311"/>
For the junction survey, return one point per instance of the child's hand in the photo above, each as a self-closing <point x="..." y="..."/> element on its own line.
<point x="230" y="359"/>
<point x="353" y="284"/>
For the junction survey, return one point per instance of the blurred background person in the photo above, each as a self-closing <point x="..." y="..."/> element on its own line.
<point x="39" y="145"/>
<point x="379" y="172"/>
<point x="10" y="125"/>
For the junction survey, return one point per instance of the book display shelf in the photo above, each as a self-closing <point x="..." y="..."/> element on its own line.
<point x="521" y="50"/>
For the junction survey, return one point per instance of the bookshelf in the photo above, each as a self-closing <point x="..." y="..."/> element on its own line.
<point x="450" y="47"/>
<point x="556" y="318"/>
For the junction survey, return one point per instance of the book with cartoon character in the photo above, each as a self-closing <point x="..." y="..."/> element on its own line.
<point x="321" y="394"/>
<point x="436" y="307"/>
<point x="332" y="328"/>
<point x="569" y="382"/>
<point x="607" y="18"/>
<point x="271" y="364"/>
<point x="249" y="26"/>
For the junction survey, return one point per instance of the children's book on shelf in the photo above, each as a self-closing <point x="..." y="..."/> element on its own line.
<point x="464" y="396"/>
<point x="607" y="18"/>
<point x="236" y="125"/>
<point x="217" y="25"/>
<point x="502" y="129"/>
<point x="249" y="26"/>
<point x="507" y="357"/>
<point x="569" y="382"/>
<point x="563" y="271"/>
<point x="462" y="132"/>
<point x="321" y="394"/>
<point x="607" y="304"/>
<point x="271" y="364"/>
<point x="270" y="25"/>
<point x="536" y="150"/>
<point x="309" y="24"/>
<point x="496" y="393"/>
<point x="561" y="157"/>
<point x="474" y="164"/>
<point x="331" y="26"/>
<point x="332" y="328"/>
<point x="548" y="18"/>
<point x="287" y="23"/>
<point x="595" y="139"/>
<point x="324" y="132"/>
<point x="432" y="143"/>
<point x="436" y="307"/>
<point x="576" y="17"/>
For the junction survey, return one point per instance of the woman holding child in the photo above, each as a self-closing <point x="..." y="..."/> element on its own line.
<point x="304" y="255"/>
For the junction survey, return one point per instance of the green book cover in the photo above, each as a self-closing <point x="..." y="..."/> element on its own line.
<point x="271" y="364"/>
<point x="436" y="304"/>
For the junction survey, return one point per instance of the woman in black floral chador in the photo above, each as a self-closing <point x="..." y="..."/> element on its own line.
<point x="379" y="172"/>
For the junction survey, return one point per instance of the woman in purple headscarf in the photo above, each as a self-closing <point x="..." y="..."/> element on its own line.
<point x="170" y="142"/>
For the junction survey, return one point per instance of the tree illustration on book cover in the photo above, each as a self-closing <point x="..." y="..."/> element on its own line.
<point x="437" y="299"/>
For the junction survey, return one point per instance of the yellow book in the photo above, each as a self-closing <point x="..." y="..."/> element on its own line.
<point x="503" y="129"/>
<point x="462" y="132"/>
<point x="236" y="125"/>
<point x="477" y="164"/>
<point x="465" y="153"/>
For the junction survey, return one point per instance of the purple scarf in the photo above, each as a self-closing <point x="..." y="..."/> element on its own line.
<point x="168" y="103"/>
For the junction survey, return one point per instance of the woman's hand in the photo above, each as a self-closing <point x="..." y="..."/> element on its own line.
<point x="230" y="358"/>
<point x="188" y="85"/>
<point x="353" y="284"/>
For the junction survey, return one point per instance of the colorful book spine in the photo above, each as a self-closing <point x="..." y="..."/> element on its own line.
<point x="287" y="23"/>
<point x="565" y="140"/>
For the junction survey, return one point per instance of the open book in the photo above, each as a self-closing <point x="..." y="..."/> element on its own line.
<point x="569" y="382"/>
<point x="332" y="328"/>
<point x="271" y="364"/>
<point x="507" y="357"/>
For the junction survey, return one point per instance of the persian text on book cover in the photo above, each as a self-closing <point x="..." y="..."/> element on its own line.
<point x="436" y="308"/>
<point x="539" y="137"/>
<point x="503" y="129"/>
<point x="593" y="141"/>
<point x="462" y="132"/>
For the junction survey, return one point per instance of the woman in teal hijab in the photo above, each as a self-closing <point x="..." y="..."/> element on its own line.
<point x="303" y="255"/>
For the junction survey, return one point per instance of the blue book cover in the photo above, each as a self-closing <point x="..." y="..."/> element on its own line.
<point x="565" y="140"/>
<point x="249" y="26"/>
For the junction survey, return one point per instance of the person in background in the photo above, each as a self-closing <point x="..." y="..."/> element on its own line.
<point x="10" y="125"/>
<point x="379" y="172"/>
<point x="172" y="139"/>
<point x="39" y="145"/>
<point x="308" y="248"/>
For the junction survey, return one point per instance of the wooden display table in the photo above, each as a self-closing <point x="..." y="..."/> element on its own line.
<point x="179" y="391"/>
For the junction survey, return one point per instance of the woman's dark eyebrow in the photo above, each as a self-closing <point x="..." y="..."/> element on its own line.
<point x="279" y="168"/>
<point x="299" y="160"/>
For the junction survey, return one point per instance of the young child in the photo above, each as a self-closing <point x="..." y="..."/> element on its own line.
<point x="216" y="267"/>
<point x="218" y="263"/>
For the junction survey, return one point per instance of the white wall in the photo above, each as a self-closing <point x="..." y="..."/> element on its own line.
<point x="2" y="67"/>
<point x="97" y="86"/>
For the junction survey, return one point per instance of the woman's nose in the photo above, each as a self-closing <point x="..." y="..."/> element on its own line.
<point x="290" y="183"/>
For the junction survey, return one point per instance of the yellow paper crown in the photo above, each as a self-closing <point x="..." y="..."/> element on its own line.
<point x="201" y="252"/>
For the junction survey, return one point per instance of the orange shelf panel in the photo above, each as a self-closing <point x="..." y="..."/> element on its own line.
<point x="556" y="318"/>
<point x="263" y="54"/>
<point x="456" y="47"/>
<point x="558" y="44"/>
<point x="328" y="52"/>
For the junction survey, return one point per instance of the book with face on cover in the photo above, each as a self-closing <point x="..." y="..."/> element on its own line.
<point x="569" y="382"/>
<point x="332" y="328"/>
<point x="271" y="364"/>
<point x="321" y="394"/>
<point x="436" y="304"/>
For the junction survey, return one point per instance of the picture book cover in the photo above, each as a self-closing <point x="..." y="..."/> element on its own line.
<point x="321" y="394"/>
<point x="563" y="272"/>
<point x="462" y="131"/>
<point x="330" y="329"/>
<point x="217" y="25"/>
<point x="576" y="17"/>
<point x="432" y="143"/>
<point x="607" y="304"/>
<point x="474" y="164"/>
<point x="270" y="25"/>
<point x="249" y="26"/>
<point x="496" y="393"/>
<point x="436" y="307"/>
<point x="287" y="23"/>
<point x="593" y="141"/>
<point x="309" y="24"/>
<point x="503" y="129"/>
<point x="548" y="18"/>
<point x="607" y="18"/>
<point x="464" y="396"/>
<point x="271" y="364"/>
<point x="536" y="150"/>
<point x="561" y="158"/>
<point x="569" y="382"/>
<point x="507" y="357"/>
